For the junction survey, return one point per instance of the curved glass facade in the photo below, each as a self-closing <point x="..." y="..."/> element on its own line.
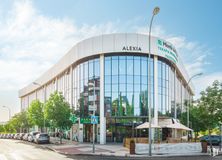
<point x="84" y="76"/>
<point x="126" y="85"/>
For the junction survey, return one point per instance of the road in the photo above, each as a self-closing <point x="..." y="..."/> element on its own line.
<point x="19" y="150"/>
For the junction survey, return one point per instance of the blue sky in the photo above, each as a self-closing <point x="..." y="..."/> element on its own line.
<point x="35" y="34"/>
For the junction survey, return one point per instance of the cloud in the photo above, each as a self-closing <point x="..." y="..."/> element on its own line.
<point x="31" y="42"/>
<point x="206" y="80"/>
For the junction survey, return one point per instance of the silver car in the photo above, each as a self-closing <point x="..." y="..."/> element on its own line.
<point x="42" y="138"/>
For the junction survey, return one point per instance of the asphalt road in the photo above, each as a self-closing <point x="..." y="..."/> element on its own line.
<point x="19" y="150"/>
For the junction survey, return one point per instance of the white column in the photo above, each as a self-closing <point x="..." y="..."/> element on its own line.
<point x="175" y="91"/>
<point x="71" y="97"/>
<point x="155" y="90"/>
<point x="71" y="87"/>
<point x="102" y="118"/>
<point x="56" y="84"/>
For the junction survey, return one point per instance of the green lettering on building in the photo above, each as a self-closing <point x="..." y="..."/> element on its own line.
<point x="167" y="50"/>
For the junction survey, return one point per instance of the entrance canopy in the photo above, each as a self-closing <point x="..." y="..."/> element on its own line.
<point x="146" y="125"/>
<point x="172" y="123"/>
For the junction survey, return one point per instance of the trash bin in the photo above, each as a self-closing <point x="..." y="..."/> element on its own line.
<point x="132" y="147"/>
<point x="204" y="146"/>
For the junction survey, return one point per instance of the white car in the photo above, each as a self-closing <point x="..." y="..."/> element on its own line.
<point x="32" y="135"/>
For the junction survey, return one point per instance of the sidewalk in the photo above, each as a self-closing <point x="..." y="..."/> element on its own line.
<point x="75" y="148"/>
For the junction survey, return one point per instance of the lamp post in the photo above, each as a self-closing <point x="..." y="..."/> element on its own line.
<point x="9" y="111"/>
<point x="37" y="84"/>
<point x="94" y="109"/>
<point x="155" y="12"/>
<point x="188" y="114"/>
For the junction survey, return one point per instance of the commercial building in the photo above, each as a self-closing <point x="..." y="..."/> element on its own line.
<point x="118" y="64"/>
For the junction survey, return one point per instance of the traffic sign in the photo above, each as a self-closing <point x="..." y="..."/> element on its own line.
<point x="94" y="119"/>
<point x="92" y="108"/>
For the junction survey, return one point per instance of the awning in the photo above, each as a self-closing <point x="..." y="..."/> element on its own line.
<point x="178" y="126"/>
<point x="173" y="123"/>
<point x="146" y="125"/>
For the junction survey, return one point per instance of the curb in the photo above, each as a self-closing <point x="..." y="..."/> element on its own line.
<point x="126" y="155"/>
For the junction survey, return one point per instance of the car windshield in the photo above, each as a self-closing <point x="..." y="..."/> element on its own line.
<point x="44" y="135"/>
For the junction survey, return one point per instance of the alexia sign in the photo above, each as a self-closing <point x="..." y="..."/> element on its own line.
<point x="131" y="48"/>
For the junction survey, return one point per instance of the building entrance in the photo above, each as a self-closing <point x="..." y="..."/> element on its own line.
<point x="88" y="133"/>
<point x="119" y="128"/>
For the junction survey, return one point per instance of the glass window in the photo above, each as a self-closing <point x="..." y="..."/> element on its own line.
<point x="144" y="67"/>
<point x="115" y="67"/>
<point x="137" y="68"/>
<point x="107" y="66"/>
<point x="96" y="68"/>
<point x="115" y="79"/>
<point x="129" y="79"/>
<point x="108" y="79"/>
<point x="122" y="79"/>
<point x="122" y="66"/>
<point x="137" y="79"/>
<point x="129" y="87"/>
<point x="91" y="66"/>
<point x="129" y="65"/>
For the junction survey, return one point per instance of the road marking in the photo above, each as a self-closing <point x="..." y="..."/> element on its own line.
<point x="3" y="157"/>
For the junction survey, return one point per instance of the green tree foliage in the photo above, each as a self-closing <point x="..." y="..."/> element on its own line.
<point x="57" y="111"/>
<point x="36" y="114"/>
<point x="2" y="129"/>
<point x="18" y="123"/>
<point x="210" y="107"/>
<point x="195" y="120"/>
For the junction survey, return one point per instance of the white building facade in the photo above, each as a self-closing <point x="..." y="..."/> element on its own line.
<point x="118" y="64"/>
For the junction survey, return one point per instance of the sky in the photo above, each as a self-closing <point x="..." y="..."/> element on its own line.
<point x="35" y="34"/>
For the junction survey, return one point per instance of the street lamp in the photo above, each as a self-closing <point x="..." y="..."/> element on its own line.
<point x="155" y="12"/>
<point x="37" y="84"/>
<point x="9" y="111"/>
<point x="94" y="108"/>
<point x="188" y="114"/>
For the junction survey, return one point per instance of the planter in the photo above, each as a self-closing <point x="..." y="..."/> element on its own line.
<point x="132" y="147"/>
<point x="204" y="146"/>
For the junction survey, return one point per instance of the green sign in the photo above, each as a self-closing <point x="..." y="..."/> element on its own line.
<point x="85" y="120"/>
<point x="166" y="49"/>
<point x="73" y="118"/>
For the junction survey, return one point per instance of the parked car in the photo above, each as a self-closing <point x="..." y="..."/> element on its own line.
<point x="16" y="136"/>
<point x="32" y="135"/>
<point x="21" y="136"/>
<point x="2" y="135"/>
<point x="25" y="137"/>
<point x="215" y="139"/>
<point x="42" y="138"/>
<point x="12" y="136"/>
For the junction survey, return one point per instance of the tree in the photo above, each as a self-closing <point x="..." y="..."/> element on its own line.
<point x="211" y="107"/>
<point x="36" y="114"/>
<point x="58" y="111"/>
<point x="18" y="123"/>
<point x="195" y="120"/>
